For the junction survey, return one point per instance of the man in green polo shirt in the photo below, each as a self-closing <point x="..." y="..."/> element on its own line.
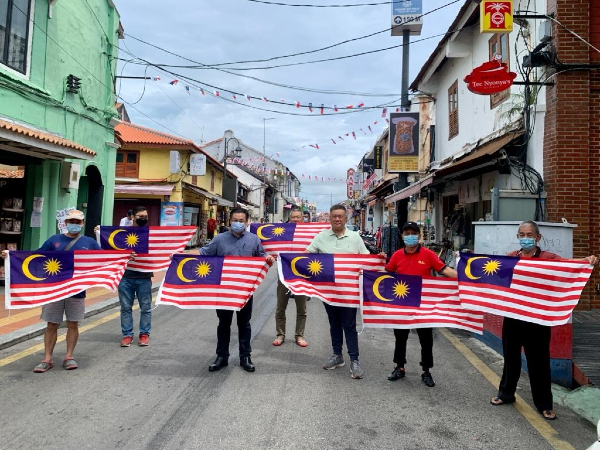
<point x="342" y="320"/>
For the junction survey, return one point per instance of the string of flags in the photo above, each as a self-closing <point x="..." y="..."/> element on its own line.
<point x="234" y="96"/>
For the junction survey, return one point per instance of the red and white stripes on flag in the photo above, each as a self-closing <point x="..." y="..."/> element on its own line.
<point x="240" y="276"/>
<point x="440" y="307"/>
<point x="91" y="268"/>
<point x="369" y="180"/>
<point x="162" y="243"/>
<point x="345" y="289"/>
<point x="541" y="291"/>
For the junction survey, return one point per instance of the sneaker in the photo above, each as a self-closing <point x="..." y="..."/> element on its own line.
<point x="427" y="379"/>
<point x="355" y="370"/>
<point x="334" y="361"/>
<point x="126" y="341"/>
<point x="144" y="340"/>
<point x="397" y="373"/>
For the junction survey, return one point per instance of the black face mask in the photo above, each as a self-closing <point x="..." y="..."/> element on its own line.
<point x="141" y="222"/>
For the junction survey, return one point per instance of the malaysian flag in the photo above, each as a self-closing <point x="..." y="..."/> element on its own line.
<point x="334" y="278"/>
<point x="287" y="237"/>
<point x="211" y="282"/>
<point x="37" y="278"/>
<point x="153" y="245"/>
<point x="390" y="300"/>
<point x="530" y="289"/>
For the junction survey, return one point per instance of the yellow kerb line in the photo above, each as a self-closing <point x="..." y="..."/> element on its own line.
<point x="533" y="417"/>
<point x="40" y="347"/>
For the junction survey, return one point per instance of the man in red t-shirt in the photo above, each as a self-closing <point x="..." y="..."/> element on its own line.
<point x="415" y="260"/>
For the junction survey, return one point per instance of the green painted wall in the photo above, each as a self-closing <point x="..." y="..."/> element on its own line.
<point x="80" y="39"/>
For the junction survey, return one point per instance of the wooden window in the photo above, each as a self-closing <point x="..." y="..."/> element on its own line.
<point x="498" y="45"/>
<point x="128" y="164"/>
<point x="14" y="33"/>
<point x="453" y="110"/>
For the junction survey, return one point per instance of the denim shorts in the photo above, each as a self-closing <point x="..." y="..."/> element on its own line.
<point x="72" y="307"/>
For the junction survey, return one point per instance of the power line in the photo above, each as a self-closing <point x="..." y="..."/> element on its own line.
<point x="319" y="6"/>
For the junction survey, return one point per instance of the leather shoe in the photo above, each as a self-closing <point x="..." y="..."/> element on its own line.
<point x="218" y="364"/>
<point x="397" y="373"/>
<point x="246" y="364"/>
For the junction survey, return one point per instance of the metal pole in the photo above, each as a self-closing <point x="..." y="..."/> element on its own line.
<point x="405" y="57"/>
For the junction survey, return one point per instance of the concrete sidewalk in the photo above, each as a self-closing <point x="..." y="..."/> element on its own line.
<point x="19" y="325"/>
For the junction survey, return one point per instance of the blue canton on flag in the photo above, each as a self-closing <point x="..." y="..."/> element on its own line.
<point x="125" y="238"/>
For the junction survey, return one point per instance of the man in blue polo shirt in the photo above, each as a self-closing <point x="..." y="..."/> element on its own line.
<point x="235" y="242"/>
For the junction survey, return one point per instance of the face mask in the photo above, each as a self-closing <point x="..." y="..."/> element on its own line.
<point x="238" y="227"/>
<point x="141" y="222"/>
<point x="527" y="243"/>
<point x="411" y="240"/>
<point x="305" y="219"/>
<point x="73" y="228"/>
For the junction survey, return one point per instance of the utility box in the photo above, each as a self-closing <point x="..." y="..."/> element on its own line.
<point x="69" y="177"/>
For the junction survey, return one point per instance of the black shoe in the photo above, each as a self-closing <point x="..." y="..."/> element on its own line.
<point x="246" y="364"/>
<point x="397" y="373"/>
<point x="427" y="379"/>
<point x="218" y="364"/>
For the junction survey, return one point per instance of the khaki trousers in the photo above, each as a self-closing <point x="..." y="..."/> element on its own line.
<point x="282" y="303"/>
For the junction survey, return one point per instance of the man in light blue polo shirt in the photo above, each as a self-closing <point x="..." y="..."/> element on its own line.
<point x="342" y="320"/>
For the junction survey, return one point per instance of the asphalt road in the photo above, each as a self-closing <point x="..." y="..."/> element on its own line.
<point x="163" y="397"/>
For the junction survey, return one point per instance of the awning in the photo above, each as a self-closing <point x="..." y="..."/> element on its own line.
<point x="289" y="200"/>
<point x="220" y="200"/>
<point x="481" y="154"/>
<point x="244" y="205"/>
<point x="145" y="189"/>
<point x="382" y="188"/>
<point x="28" y="141"/>
<point x="413" y="189"/>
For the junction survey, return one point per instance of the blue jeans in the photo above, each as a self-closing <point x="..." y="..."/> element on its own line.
<point x="128" y="288"/>
<point x="342" y="321"/>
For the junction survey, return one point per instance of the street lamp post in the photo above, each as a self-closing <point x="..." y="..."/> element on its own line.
<point x="237" y="152"/>
<point x="265" y="215"/>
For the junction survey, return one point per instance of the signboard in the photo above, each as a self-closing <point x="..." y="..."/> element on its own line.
<point x="171" y="214"/>
<point x="378" y="157"/>
<point x="198" y="164"/>
<point x="407" y="15"/>
<point x="174" y="161"/>
<point x="356" y="179"/>
<point x="403" y="150"/>
<point x="350" y="183"/>
<point x="491" y="77"/>
<point x="368" y="166"/>
<point x="496" y="16"/>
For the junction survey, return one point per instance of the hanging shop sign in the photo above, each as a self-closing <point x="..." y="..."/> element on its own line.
<point x="350" y="183"/>
<point x="490" y="78"/>
<point x="407" y="15"/>
<point x="404" y="143"/>
<point x="496" y="16"/>
<point x="378" y="156"/>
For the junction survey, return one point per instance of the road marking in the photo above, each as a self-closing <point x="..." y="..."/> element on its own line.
<point x="533" y="417"/>
<point x="39" y="347"/>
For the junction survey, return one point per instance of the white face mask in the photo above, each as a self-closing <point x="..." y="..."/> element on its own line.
<point x="305" y="219"/>
<point x="238" y="227"/>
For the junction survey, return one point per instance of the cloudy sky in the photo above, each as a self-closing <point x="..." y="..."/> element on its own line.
<point x="225" y="31"/>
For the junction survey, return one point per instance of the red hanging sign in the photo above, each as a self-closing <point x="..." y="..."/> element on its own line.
<point x="490" y="78"/>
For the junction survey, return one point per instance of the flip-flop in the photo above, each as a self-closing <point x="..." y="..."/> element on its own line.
<point x="497" y="401"/>
<point x="70" y="364"/>
<point x="44" y="366"/>
<point x="548" y="414"/>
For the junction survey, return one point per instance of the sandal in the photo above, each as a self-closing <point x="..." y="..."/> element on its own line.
<point x="278" y="341"/>
<point x="44" y="366"/>
<point x="497" y="401"/>
<point x="549" y="414"/>
<point x="70" y="364"/>
<point x="301" y="342"/>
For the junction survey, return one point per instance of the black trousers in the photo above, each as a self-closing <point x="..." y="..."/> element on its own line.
<point x="535" y="339"/>
<point x="426" y="340"/>
<point x="224" y="330"/>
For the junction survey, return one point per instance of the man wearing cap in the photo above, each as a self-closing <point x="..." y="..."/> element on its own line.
<point x="415" y="260"/>
<point x="73" y="307"/>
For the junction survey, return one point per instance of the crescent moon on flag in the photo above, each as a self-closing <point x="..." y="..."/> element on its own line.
<point x="25" y="267"/>
<point x="376" y="288"/>
<point x="180" y="270"/>
<point x="468" y="267"/>
<point x="293" y="266"/>
<point x="111" y="239"/>
<point x="259" y="232"/>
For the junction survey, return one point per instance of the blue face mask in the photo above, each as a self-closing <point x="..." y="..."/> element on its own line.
<point x="527" y="243"/>
<point x="411" y="240"/>
<point x="73" y="228"/>
<point x="237" y="227"/>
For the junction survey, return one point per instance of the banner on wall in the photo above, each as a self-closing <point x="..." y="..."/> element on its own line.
<point x="171" y="214"/>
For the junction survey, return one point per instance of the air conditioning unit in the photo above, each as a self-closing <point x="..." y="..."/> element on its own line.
<point x="69" y="177"/>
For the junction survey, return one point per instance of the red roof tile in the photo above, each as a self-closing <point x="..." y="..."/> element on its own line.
<point x="129" y="133"/>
